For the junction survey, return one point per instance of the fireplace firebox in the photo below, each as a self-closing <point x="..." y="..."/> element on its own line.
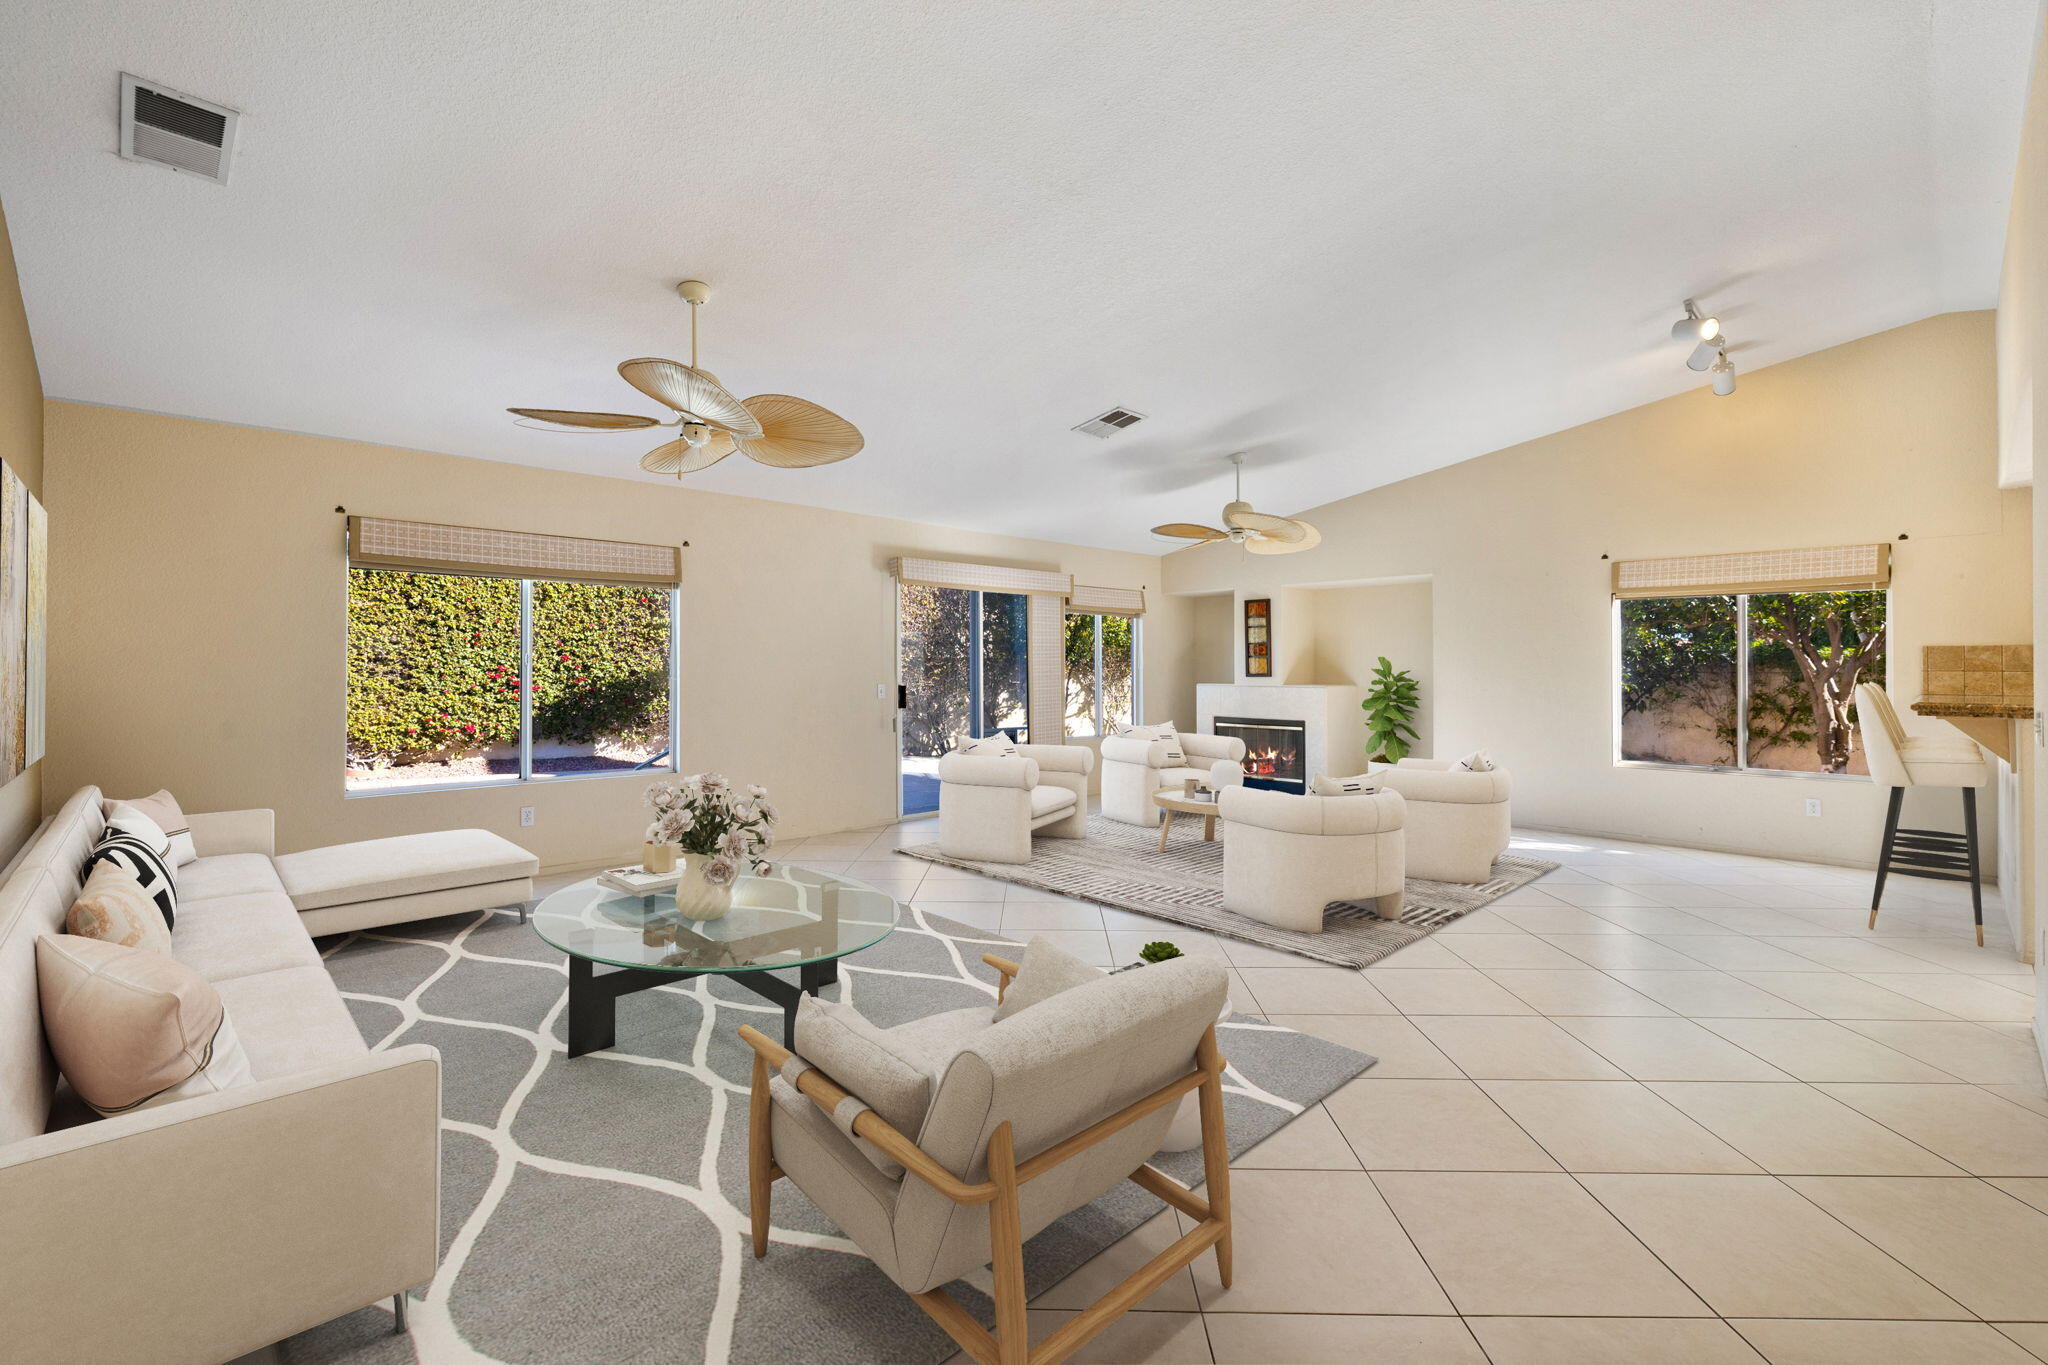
<point x="1274" y="751"/>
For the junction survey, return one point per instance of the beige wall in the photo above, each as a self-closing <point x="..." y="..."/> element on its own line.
<point x="1213" y="646"/>
<point x="198" y="591"/>
<point x="2022" y="375"/>
<point x="21" y="446"/>
<point x="1892" y="434"/>
<point x="1355" y="627"/>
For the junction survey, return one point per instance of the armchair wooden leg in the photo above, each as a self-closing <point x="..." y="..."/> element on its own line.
<point x="760" y="1154"/>
<point x="1215" y="1148"/>
<point x="1006" y="1243"/>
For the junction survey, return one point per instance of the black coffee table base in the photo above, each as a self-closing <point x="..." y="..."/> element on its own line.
<point x="593" y="996"/>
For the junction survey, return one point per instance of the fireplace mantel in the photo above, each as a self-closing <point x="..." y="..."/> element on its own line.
<point x="1335" y="725"/>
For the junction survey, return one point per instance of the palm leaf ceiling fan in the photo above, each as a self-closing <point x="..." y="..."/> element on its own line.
<point x="772" y="428"/>
<point x="1256" y="531"/>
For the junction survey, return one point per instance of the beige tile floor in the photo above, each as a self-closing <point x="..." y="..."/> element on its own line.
<point x="1663" y="1105"/>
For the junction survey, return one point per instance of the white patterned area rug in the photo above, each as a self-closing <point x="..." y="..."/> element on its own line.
<point x="1120" y="865"/>
<point x="596" y="1209"/>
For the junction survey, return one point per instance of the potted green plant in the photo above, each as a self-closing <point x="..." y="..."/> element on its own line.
<point x="1390" y="713"/>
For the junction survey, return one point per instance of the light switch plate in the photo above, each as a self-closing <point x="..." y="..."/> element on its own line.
<point x="1813" y="805"/>
<point x="526" y="815"/>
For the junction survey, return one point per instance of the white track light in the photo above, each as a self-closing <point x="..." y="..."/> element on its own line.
<point x="1724" y="377"/>
<point x="1703" y="354"/>
<point x="1695" y="328"/>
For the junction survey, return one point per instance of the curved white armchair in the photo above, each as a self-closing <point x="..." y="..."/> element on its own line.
<point x="990" y="805"/>
<point x="1285" y="857"/>
<point x="1133" y="769"/>
<point x="1457" y="819"/>
<point x="1900" y="760"/>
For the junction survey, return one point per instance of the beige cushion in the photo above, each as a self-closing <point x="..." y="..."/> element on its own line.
<point x="1170" y="778"/>
<point x="223" y="937"/>
<point x="132" y="1028"/>
<point x="1361" y="785"/>
<point x="883" y="1070"/>
<point x="291" y="1020"/>
<point x="125" y="818"/>
<point x="113" y="908"/>
<point x="999" y="744"/>
<point x="1047" y="799"/>
<point x="1174" y="753"/>
<point x="162" y="810"/>
<point x="401" y="866"/>
<point x="1476" y="762"/>
<point x="229" y="874"/>
<point x="1044" y="973"/>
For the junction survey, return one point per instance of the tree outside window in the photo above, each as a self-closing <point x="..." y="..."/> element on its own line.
<point x="1101" y="657"/>
<point x="1762" y="681"/>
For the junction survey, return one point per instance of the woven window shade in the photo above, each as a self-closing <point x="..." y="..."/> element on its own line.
<point x="946" y="573"/>
<point x="1106" y="601"/>
<point x="422" y="547"/>
<point x="1836" y="568"/>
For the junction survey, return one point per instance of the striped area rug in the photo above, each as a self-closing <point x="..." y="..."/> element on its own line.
<point x="1120" y="865"/>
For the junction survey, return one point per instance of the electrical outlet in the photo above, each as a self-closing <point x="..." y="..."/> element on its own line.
<point x="526" y="814"/>
<point x="1813" y="805"/>
<point x="881" y="691"/>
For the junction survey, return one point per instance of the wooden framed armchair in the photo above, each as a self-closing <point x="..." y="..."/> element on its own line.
<point x="1036" y="1115"/>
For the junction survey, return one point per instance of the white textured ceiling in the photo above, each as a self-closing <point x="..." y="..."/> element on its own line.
<point x="1360" y="240"/>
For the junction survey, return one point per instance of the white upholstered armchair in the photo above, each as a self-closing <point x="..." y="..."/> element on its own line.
<point x="1285" y="857"/>
<point x="1134" y="767"/>
<point x="990" y="805"/>
<point x="979" y="1129"/>
<point x="1457" y="820"/>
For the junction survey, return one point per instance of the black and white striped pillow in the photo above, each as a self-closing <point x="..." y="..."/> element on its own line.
<point x="149" y="867"/>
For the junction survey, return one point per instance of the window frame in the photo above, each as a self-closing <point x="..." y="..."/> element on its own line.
<point x="526" y="777"/>
<point x="1742" y="651"/>
<point x="1137" y="674"/>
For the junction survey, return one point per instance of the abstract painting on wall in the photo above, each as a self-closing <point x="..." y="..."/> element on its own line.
<point x="24" y="621"/>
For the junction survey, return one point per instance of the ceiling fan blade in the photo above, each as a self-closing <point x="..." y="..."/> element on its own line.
<point x="680" y="457"/>
<point x="1261" y="545"/>
<point x="1272" y="528"/>
<point x="797" y="434"/>
<point x="690" y="391"/>
<point x="556" y="419"/>
<point x="1188" y="530"/>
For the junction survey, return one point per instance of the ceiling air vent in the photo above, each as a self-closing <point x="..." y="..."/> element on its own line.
<point x="166" y="128"/>
<point x="1111" y="422"/>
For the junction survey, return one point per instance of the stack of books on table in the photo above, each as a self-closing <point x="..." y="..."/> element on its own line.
<point x="638" y="881"/>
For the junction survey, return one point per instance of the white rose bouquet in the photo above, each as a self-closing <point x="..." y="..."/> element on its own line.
<point x="706" y="815"/>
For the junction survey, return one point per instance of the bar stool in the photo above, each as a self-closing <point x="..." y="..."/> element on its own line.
<point x="1899" y="761"/>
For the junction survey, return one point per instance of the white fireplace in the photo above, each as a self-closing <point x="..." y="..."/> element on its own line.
<point x="1333" y="727"/>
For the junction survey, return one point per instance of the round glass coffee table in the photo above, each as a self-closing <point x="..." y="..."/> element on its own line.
<point x="793" y="918"/>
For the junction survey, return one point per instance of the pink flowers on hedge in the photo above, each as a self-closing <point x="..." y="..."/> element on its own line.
<point x="704" y="814"/>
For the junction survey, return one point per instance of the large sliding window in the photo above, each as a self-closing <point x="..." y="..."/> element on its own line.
<point x="963" y="657"/>
<point x="1752" y="681"/>
<point x="459" y="676"/>
<point x="1102" y="655"/>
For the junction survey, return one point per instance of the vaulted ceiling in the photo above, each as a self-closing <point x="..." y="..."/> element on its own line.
<point x="1359" y="241"/>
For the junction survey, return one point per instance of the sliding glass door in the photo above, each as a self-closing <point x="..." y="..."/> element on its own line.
<point x="963" y="666"/>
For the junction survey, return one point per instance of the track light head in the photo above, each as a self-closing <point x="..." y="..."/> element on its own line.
<point x="1703" y="354"/>
<point x="1724" y="377"/>
<point x="1695" y="328"/>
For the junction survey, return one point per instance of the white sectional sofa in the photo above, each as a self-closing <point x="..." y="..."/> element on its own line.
<point x="206" y="1228"/>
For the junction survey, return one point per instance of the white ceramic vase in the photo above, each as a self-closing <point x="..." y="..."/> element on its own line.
<point x="697" y="898"/>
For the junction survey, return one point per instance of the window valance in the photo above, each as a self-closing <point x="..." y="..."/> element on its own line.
<point x="947" y="573"/>
<point x="1094" y="601"/>
<point x="425" y="547"/>
<point x="1835" y="568"/>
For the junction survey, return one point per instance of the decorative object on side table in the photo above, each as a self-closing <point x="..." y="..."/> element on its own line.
<point x="1390" y="713"/>
<point x="715" y="832"/>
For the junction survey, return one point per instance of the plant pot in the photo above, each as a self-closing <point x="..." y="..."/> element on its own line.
<point x="659" y="859"/>
<point x="697" y="898"/>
